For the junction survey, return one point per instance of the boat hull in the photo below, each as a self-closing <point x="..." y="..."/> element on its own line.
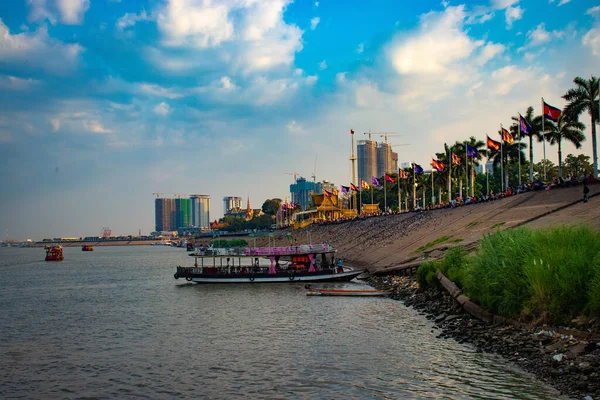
<point x="333" y="277"/>
<point x="342" y="292"/>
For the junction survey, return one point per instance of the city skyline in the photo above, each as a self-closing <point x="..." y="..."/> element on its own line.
<point x="103" y="103"/>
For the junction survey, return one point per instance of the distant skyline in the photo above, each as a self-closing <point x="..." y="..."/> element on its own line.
<point x="104" y="102"/>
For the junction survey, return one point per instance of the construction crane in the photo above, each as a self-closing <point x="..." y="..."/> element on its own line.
<point x="314" y="176"/>
<point x="178" y="195"/>
<point x="385" y="135"/>
<point x="401" y="144"/>
<point x="295" y="174"/>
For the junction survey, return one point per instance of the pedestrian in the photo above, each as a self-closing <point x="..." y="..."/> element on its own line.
<point x="586" y="190"/>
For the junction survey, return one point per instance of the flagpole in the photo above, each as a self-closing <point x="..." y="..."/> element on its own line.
<point x="432" y="189"/>
<point x="372" y="193"/>
<point x="502" y="159"/>
<point x="414" y="189"/>
<point x="487" y="173"/>
<point x="466" y="171"/>
<point x="360" y="198"/>
<point x="399" y="199"/>
<point x="450" y="178"/>
<point x="544" y="138"/>
<point x="384" y="193"/>
<point x="519" y="127"/>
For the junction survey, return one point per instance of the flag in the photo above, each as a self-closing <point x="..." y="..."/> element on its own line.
<point x="525" y="127"/>
<point x="335" y="192"/>
<point x="471" y="151"/>
<point x="345" y="189"/>
<point x="507" y="136"/>
<point x="437" y="165"/>
<point x="417" y="169"/>
<point x="455" y="159"/>
<point x="375" y="181"/>
<point x="284" y="206"/>
<point x="550" y="112"/>
<point x="326" y="193"/>
<point x="354" y="187"/>
<point x="364" y="184"/>
<point x="390" y="179"/>
<point x="351" y="131"/>
<point x="402" y="174"/>
<point x="492" y="144"/>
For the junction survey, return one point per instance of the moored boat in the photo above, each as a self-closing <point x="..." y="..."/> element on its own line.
<point x="54" y="253"/>
<point x="347" y="292"/>
<point x="304" y="263"/>
<point x="87" y="247"/>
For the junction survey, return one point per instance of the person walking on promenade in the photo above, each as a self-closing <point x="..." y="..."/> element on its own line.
<point x="586" y="190"/>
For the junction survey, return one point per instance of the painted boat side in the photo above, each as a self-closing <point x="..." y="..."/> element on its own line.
<point x="340" y="277"/>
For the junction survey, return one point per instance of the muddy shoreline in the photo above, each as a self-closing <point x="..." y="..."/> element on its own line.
<point x="567" y="362"/>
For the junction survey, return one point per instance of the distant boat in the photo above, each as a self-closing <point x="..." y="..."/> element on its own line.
<point x="87" y="247"/>
<point x="162" y="243"/>
<point x="347" y="292"/>
<point x="54" y="253"/>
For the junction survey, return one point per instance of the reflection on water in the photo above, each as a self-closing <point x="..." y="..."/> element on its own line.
<point x="114" y="322"/>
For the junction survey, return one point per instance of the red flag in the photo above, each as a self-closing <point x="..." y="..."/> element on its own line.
<point x="492" y="144"/>
<point x="390" y="179"/>
<point x="507" y="136"/>
<point x="327" y="194"/>
<point x="455" y="159"/>
<point x="351" y="131"/>
<point x="550" y="112"/>
<point x="437" y="165"/>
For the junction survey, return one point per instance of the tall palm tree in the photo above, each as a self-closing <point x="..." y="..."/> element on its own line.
<point x="536" y="131"/>
<point x="584" y="97"/>
<point x="510" y="152"/>
<point x="564" y="130"/>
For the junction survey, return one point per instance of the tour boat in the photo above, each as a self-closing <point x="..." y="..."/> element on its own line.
<point x="347" y="292"/>
<point x="303" y="263"/>
<point x="54" y="253"/>
<point x="87" y="247"/>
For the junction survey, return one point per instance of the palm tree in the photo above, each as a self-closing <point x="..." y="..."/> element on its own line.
<point x="510" y="152"/>
<point x="583" y="97"/>
<point x="565" y="129"/>
<point x="536" y="131"/>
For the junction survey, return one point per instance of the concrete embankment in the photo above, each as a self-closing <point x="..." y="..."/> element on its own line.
<point x="387" y="243"/>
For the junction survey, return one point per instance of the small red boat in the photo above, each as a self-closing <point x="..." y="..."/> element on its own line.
<point x="54" y="253"/>
<point x="87" y="247"/>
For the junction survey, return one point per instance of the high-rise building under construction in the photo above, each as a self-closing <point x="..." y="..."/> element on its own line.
<point x="366" y="155"/>
<point x="164" y="212"/>
<point x="200" y="211"/>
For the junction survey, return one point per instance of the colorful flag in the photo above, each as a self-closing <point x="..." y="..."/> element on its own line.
<point x="471" y="151"/>
<point x="455" y="159"/>
<point x="335" y="192"/>
<point x="402" y="174"/>
<point x="525" y="127"/>
<point x="351" y="131"/>
<point x="326" y="193"/>
<point x="417" y="169"/>
<point x="345" y="189"/>
<point x="550" y="112"/>
<point x="284" y="206"/>
<point x="364" y="184"/>
<point x="390" y="179"/>
<point x="437" y="165"/>
<point x="354" y="187"/>
<point x="507" y="136"/>
<point x="375" y="181"/>
<point x="492" y="144"/>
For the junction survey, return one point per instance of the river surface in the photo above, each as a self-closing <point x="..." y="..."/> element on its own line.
<point x="113" y="323"/>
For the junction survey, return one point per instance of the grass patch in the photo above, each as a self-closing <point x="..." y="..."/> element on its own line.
<point x="458" y="240"/>
<point x="472" y="224"/>
<point x="552" y="274"/>
<point x="498" y="225"/>
<point x="431" y="244"/>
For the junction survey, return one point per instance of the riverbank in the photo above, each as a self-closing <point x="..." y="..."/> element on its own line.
<point x="559" y="357"/>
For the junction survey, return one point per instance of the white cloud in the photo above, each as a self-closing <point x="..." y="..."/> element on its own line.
<point x="55" y="122"/>
<point x="489" y="51"/>
<point x="513" y="14"/>
<point x="592" y="39"/>
<point x="37" y="50"/>
<point x="157" y="90"/>
<point x="323" y="65"/>
<point x="502" y="4"/>
<point x="162" y="109"/>
<point x="295" y="129"/>
<point x="71" y="12"/>
<point x="14" y="83"/>
<point x="360" y="48"/>
<point x="316" y="4"/>
<point x="340" y="77"/>
<point x="593" y="10"/>
<point x="311" y="80"/>
<point x="563" y="2"/>
<point x="227" y="84"/>
<point x="130" y="19"/>
<point x="506" y="78"/>
<point x="314" y="22"/>
<point x="95" y="126"/>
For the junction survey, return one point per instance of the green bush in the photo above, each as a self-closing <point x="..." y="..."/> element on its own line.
<point x="426" y="273"/>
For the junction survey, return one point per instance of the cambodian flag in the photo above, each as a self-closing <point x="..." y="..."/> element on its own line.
<point x="390" y="179"/>
<point x="417" y="169"/>
<point x="525" y="127"/>
<point x="471" y="151"/>
<point x="375" y="181"/>
<point x="550" y="112"/>
<point x="437" y="165"/>
<point x="492" y="144"/>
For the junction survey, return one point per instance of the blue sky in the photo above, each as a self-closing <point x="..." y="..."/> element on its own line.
<point x="103" y="102"/>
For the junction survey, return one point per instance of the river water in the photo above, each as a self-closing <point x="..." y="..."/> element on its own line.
<point x="113" y="323"/>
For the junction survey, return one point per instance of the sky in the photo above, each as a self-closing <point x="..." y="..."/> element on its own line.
<point x="105" y="102"/>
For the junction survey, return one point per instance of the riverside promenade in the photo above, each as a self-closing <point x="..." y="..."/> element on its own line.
<point x="387" y="243"/>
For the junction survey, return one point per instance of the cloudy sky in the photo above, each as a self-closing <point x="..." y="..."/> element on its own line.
<point x="103" y="102"/>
